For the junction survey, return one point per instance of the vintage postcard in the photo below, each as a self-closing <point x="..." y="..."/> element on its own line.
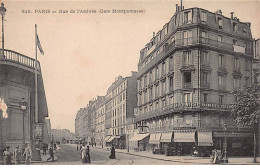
<point x="144" y="82"/>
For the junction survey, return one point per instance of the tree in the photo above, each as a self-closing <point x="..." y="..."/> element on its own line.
<point x="246" y="108"/>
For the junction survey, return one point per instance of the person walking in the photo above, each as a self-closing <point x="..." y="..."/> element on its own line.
<point x="44" y="149"/>
<point x="51" y="153"/>
<point x="215" y="156"/>
<point x="17" y="156"/>
<point x="28" y="154"/>
<point x="113" y="153"/>
<point x="7" y="156"/>
<point x="85" y="155"/>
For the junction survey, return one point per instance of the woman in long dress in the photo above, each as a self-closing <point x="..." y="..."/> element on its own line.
<point x="216" y="159"/>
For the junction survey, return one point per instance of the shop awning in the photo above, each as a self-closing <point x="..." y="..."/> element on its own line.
<point x="155" y="138"/>
<point x="205" y="139"/>
<point x="107" y="138"/>
<point x="232" y="134"/>
<point x="166" y="137"/>
<point x="184" y="136"/>
<point x="138" y="137"/>
<point x="111" y="139"/>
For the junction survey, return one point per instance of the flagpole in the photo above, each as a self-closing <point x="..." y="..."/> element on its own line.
<point x="36" y="82"/>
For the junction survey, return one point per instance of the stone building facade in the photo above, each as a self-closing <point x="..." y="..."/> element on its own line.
<point x="186" y="75"/>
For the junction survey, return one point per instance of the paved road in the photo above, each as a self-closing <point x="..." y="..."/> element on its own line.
<point x="67" y="154"/>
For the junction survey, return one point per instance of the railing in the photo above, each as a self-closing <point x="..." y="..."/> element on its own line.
<point x="187" y="85"/>
<point x="16" y="57"/>
<point x="181" y="106"/>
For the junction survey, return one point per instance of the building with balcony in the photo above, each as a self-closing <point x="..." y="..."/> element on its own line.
<point x="121" y="100"/>
<point x="17" y="83"/>
<point x="100" y="122"/>
<point x="186" y="75"/>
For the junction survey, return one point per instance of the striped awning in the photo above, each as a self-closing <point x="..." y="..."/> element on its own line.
<point x="155" y="138"/>
<point x="138" y="137"/>
<point x="111" y="139"/>
<point x="205" y="139"/>
<point x="166" y="137"/>
<point x="107" y="138"/>
<point x="184" y="136"/>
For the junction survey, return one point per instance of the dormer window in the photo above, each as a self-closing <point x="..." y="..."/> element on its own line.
<point x="220" y="23"/>
<point x="203" y="17"/>
<point x="166" y="30"/>
<point x="187" y="17"/>
<point x="234" y="27"/>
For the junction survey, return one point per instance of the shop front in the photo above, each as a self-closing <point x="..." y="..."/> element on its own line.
<point x="139" y="142"/>
<point x="205" y="144"/>
<point x="238" y="144"/>
<point x="167" y="143"/>
<point x="184" y="142"/>
<point x="107" y="140"/>
<point x="154" y="143"/>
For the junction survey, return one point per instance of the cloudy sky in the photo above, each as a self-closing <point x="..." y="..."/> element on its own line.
<point x="84" y="53"/>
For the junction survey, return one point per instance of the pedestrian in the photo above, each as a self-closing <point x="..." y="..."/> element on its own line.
<point x="80" y="147"/>
<point x="17" y="156"/>
<point x="77" y="147"/>
<point x="7" y="156"/>
<point x="51" y="153"/>
<point x="44" y="149"/>
<point x="95" y="144"/>
<point x="215" y="156"/>
<point x="85" y="154"/>
<point x="28" y="154"/>
<point x="113" y="153"/>
<point x="55" y="146"/>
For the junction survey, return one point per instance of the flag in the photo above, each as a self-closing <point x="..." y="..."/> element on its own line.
<point x="39" y="45"/>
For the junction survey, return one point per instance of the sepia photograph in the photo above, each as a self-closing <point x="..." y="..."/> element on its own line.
<point x="142" y="82"/>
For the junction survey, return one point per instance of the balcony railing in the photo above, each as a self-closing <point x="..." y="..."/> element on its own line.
<point x="18" y="58"/>
<point x="180" y="107"/>
<point x="187" y="85"/>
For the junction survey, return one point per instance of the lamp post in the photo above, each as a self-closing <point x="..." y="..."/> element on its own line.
<point x="2" y="12"/>
<point x="23" y="106"/>
<point x="225" y="159"/>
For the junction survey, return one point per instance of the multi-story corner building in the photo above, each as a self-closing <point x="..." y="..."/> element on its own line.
<point x="186" y="75"/>
<point x="121" y="101"/>
<point x="256" y="61"/>
<point x="100" y="122"/>
<point x="79" y="123"/>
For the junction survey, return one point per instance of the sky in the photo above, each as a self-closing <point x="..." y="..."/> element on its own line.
<point x="84" y="53"/>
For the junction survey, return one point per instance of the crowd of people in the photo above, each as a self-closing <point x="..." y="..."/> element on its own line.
<point x="17" y="155"/>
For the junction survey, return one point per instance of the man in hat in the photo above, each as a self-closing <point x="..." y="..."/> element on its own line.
<point x="28" y="154"/>
<point x="17" y="155"/>
<point x="7" y="156"/>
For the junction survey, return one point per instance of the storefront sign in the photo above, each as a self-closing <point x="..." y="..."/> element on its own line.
<point x="230" y="135"/>
<point x="37" y="131"/>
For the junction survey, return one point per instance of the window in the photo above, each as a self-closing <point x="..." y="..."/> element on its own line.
<point x="203" y="16"/>
<point x="221" y="82"/>
<point x="247" y="81"/>
<point x="204" y="79"/>
<point x="221" y="63"/>
<point x="187" y="98"/>
<point x="171" y="64"/>
<point x="159" y="36"/>
<point x="151" y="94"/>
<point x="156" y="91"/>
<point x="220" y="23"/>
<point x="220" y="38"/>
<point x="187" y="58"/>
<point x="236" y="64"/>
<point x="234" y="42"/>
<point x="247" y="65"/>
<point x="156" y="73"/>
<point x="203" y="34"/>
<point x="187" y="37"/>
<point x="236" y="83"/>
<point x="187" y="17"/>
<point x="173" y="39"/>
<point x="205" y="97"/>
<point x="234" y="27"/>
<point x="171" y="84"/>
<point x="151" y="77"/>
<point x="166" y="30"/>
<point x="145" y="81"/>
<point x="204" y="58"/>
<point x="163" y="68"/>
<point x="163" y="88"/>
<point x="187" y="80"/>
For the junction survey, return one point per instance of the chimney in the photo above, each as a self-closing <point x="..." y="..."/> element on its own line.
<point x="232" y="15"/>
<point x="177" y="8"/>
<point x="153" y="34"/>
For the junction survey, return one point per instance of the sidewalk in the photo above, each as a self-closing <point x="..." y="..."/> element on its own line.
<point x="45" y="157"/>
<point x="186" y="159"/>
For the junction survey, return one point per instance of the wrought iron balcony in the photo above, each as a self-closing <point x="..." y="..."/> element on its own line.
<point x="187" y="85"/>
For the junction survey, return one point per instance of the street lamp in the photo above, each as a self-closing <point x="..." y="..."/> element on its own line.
<point x="2" y="12"/>
<point x="225" y="159"/>
<point x="23" y="106"/>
